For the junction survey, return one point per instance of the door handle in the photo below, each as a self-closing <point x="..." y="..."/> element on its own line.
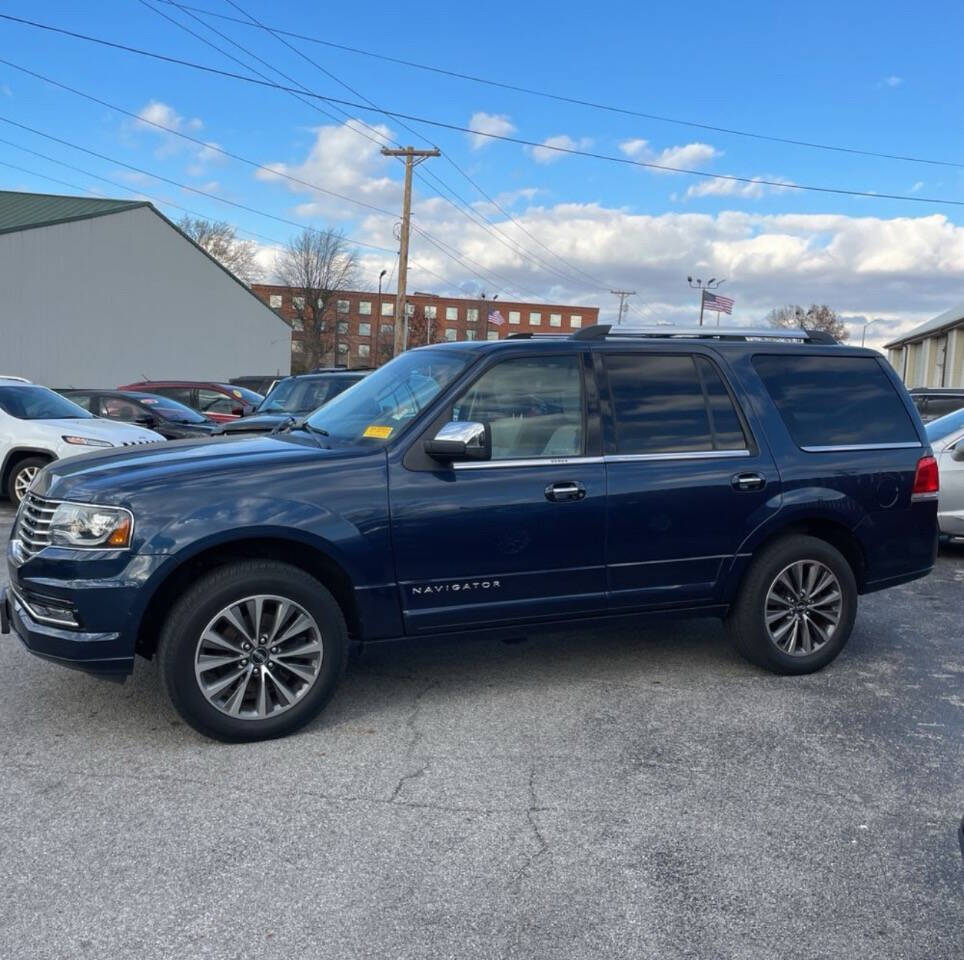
<point x="567" y="490"/>
<point x="747" y="481"/>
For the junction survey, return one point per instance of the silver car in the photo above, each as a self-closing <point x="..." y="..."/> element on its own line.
<point x="946" y="435"/>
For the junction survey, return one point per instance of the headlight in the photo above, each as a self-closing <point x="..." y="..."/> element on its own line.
<point x="86" y="442"/>
<point x="85" y="525"/>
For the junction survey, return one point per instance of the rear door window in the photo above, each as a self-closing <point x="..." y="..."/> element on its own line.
<point x="835" y="401"/>
<point x="674" y="403"/>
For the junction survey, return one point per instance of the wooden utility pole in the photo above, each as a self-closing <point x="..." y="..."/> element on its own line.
<point x="622" y="294"/>
<point x="413" y="158"/>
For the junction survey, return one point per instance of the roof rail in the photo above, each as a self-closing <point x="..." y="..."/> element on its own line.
<point x="536" y="336"/>
<point x="601" y="330"/>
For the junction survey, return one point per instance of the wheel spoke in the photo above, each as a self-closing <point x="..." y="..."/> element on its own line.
<point x="831" y="598"/>
<point x="213" y="689"/>
<point x="282" y="689"/>
<point x="298" y="671"/>
<point x="262" y="695"/>
<point x="822" y="635"/>
<point x="793" y="636"/>
<point x="803" y="607"/>
<point x="280" y="616"/>
<point x="206" y="663"/>
<point x="806" y="644"/>
<point x="209" y="636"/>
<point x="313" y="647"/>
<point x="255" y="608"/>
<point x="233" y="706"/>
<point x="300" y="625"/>
<point x="778" y="635"/>
<point x="237" y="623"/>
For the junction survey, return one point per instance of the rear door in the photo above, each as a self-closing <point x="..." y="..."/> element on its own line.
<point x="687" y="477"/>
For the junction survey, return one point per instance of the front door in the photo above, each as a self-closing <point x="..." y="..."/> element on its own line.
<point x="519" y="537"/>
<point x="687" y="481"/>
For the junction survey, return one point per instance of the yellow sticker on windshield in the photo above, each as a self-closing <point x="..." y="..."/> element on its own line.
<point x="379" y="433"/>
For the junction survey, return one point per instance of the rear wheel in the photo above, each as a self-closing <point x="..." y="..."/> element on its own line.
<point x="253" y="651"/>
<point x="796" y="606"/>
<point x="22" y="475"/>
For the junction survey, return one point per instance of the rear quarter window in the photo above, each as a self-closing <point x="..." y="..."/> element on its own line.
<point x="835" y="401"/>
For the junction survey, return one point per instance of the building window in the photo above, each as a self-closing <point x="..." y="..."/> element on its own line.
<point x="451" y="313"/>
<point x="575" y="320"/>
<point x="297" y="324"/>
<point x="297" y="346"/>
<point x="387" y="329"/>
<point x="343" y="306"/>
<point x="430" y="311"/>
<point x="320" y="303"/>
<point x="364" y="350"/>
<point x="492" y="335"/>
<point x="409" y="309"/>
<point x="275" y="301"/>
<point x="343" y="347"/>
<point x="555" y="319"/>
<point x="469" y="334"/>
<point x="515" y="316"/>
<point x="343" y="326"/>
<point x="535" y="319"/>
<point x="364" y="329"/>
<point x="298" y="303"/>
<point x="388" y="308"/>
<point x="451" y="334"/>
<point x="472" y="315"/>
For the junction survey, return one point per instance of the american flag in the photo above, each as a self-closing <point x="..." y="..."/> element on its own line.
<point x="496" y="318"/>
<point x="713" y="301"/>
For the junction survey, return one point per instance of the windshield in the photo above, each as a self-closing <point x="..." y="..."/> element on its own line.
<point x="167" y="409"/>
<point x="383" y="404"/>
<point x="246" y="396"/>
<point x="297" y="395"/>
<point x="944" y="426"/>
<point x="39" y="403"/>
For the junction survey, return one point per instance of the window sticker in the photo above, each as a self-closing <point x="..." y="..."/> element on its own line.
<point x="378" y="432"/>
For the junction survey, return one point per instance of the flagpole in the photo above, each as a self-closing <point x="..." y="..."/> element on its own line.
<point x="702" y="305"/>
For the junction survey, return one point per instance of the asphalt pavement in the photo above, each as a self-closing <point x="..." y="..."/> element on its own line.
<point x="635" y="793"/>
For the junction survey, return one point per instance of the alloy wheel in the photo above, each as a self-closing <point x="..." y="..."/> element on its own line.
<point x="22" y="481"/>
<point x="804" y="606"/>
<point x="258" y="657"/>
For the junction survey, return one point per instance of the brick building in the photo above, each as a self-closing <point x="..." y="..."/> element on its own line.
<point x="360" y="329"/>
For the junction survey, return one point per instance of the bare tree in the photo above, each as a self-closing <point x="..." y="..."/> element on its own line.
<point x="422" y="330"/>
<point x="316" y="264"/>
<point x="816" y="317"/>
<point x="221" y="240"/>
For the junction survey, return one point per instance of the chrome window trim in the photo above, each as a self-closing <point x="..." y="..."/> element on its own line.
<point x="53" y="621"/>
<point x="845" y="447"/>
<point x="643" y="563"/>
<point x="530" y="462"/>
<point x="682" y="455"/>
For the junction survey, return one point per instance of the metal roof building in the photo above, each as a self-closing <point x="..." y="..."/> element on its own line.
<point x="97" y="292"/>
<point x="931" y="355"/>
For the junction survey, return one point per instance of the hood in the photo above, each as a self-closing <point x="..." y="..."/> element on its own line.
<point x="258" y="422"/>
<point x="99" y="429"/>
<point x="117" y="476"/>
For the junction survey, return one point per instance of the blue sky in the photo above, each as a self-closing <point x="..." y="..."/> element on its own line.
<point x="853" y="74"/>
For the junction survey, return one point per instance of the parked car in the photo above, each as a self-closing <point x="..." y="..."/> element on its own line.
<point x="220" y="402"/>
<point x="934" y="402"/>
<point x="259" y="384"/>
<point x="664" y="472"/>
<point x="172" y="420"/>
<point x="294" y="397"/>
<point x="38" y="426"/>
<point x="946" y="436"/>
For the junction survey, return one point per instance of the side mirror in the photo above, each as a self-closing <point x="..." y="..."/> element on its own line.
<point x="957" y="451"/>
<point x="238" y="411"/>
<point x="145" y="420"/>
<point x="461" y="440"/>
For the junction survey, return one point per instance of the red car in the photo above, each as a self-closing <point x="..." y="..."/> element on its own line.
<point x="220" y="402"/>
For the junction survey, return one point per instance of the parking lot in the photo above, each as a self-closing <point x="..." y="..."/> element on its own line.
<point x="636" y="793"/>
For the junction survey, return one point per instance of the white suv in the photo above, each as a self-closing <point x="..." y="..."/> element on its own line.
<point x="38" y="426"/>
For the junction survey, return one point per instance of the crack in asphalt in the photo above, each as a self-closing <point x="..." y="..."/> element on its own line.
<point x="531" y="810"/>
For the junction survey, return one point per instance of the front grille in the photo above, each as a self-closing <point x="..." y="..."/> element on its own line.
<point x="33" y="525"/>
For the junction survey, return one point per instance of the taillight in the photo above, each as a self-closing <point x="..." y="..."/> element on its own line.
<point x="926" y="480"/>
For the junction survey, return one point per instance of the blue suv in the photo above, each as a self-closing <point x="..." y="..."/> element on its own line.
<point x="764" y="477"/>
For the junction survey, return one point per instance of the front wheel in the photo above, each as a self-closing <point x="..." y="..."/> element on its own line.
<point x="796" y="606"/>
<point x="253" y="651"/>
<point x="22" y="475"/>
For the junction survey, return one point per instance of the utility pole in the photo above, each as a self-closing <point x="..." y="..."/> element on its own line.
<point x="622" y="294"/>
<point x="413" y="158"/>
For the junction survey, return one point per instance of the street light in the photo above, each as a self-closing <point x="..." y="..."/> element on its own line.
<point x="702" y="286"/>
<point x="863" y="333"/>
<point x="377" y="323"/>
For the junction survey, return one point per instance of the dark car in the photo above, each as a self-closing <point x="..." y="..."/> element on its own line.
<point x="294" y="397"/>
<point x="220" y="402"/>
<point x="768" y="478"/>
<point x="258" y="383"/>
<point x="934" y="402"/>
<point x="167" y="417"/>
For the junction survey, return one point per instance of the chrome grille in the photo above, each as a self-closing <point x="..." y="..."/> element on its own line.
<point x="33" y="525"/>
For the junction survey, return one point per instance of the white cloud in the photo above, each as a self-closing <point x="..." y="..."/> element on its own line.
<point x="917" y="187"/>
<point x="552" y="148"/>
<point x="497" y="124"/>
<point x="891" y="81"/>
<point x="687" y="156"/>
<point x="736" y="188"/>
<point x="164" y="115"/>
<point x="5" y="90"/>
<point x="343" y="162"/>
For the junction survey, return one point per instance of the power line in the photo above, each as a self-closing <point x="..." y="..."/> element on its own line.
<point x="578" y="101"/>
<point x="572" y="151"/>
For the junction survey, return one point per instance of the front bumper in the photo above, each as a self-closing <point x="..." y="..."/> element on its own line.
<point x="104" y="654"/>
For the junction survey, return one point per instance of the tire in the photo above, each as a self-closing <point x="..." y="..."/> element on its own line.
<point x="21" y="476"/>
<point x="282" y="690"/>
<point x="795" y="623"/>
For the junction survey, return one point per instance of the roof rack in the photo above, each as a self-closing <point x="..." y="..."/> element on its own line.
<point x="600" y="331"/>
<point x="539" y="336"/>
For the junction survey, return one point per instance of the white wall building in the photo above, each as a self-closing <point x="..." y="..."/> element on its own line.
<point x="98" y="293"/>
<point x="931" y="355"/>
